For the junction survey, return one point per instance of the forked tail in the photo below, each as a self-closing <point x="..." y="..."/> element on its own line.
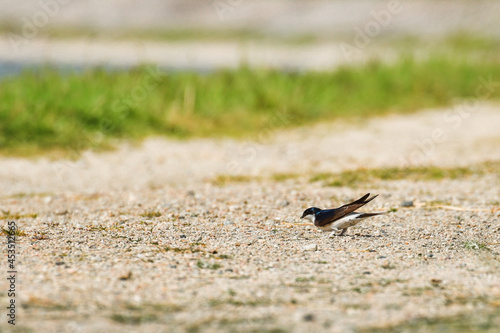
<point x="365" y="215"/>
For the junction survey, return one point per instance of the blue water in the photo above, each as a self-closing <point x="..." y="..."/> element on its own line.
<point x="10" y="68"/>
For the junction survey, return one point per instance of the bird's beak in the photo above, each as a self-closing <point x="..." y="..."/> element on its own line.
<point x="302" y="216"/>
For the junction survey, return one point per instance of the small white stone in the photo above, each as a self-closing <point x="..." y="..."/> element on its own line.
<point x="310" y="247"/>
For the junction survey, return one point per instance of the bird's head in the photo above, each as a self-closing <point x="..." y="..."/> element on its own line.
<point x="310" y="213"/>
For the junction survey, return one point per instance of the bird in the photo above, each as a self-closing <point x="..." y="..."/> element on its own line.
<point x="339" y="219"/>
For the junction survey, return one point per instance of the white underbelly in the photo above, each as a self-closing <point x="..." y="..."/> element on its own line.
<point x="345" y="222"/>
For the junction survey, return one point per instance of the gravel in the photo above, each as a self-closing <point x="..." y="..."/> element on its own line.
<point x="177" y="256"/>
<point x="323" y="148"/>
<point x="104" y="267"/>
<point x="407" y="204"/>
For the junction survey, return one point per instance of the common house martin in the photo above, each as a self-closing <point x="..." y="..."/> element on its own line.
<point x="337" y="220"/>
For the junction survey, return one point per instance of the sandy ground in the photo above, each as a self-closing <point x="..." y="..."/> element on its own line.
<point x="426" y="18"/>
<point x="458" y="136"/>
<point x="140" y="240"/>
<point x="196" y="55"/>
<point x="335" y="23"/>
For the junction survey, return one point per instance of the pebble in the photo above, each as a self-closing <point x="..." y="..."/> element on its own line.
<point x="309" y="317"/>
<point x="310" y="247"/>
<point x="407" y="204"/>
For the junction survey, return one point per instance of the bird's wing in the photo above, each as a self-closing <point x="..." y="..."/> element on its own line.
<point x="365" y="215"/>
<point x="328" y="216"/>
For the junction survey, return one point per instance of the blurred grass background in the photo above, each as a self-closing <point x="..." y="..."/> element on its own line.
<point x="49" y="109"/>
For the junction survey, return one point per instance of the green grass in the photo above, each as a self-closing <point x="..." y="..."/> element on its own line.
<point x="134" y="319"/>
<point x="49" y="110"/>
<point x="6" y="214"/>
<point x="151" y="214"/>
<point x="478" y="321"/>
<point x="353" y="178"/>
<point x="460" y="41"/>
<point x="475" y="245"/>
<point x="304" y="279"/>
<point x="222" y="180"/>
<point x="13" y="232"/>
<point x="163" y="35"/>
<point x="206" y="265"/>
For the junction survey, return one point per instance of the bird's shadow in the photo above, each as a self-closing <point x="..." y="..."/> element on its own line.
<point x="361" y="235"/>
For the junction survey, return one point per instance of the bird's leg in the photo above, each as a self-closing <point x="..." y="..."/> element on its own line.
<point x="343" y="231"/>
<point x="335" y="232"/>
